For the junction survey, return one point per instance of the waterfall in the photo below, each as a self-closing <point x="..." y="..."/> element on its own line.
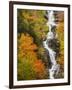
<point x="50" y="36"/>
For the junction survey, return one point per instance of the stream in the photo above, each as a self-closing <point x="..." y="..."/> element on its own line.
<point x="54" y="70"/>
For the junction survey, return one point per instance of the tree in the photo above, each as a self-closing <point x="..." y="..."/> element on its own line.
<point x="29" y="66"/>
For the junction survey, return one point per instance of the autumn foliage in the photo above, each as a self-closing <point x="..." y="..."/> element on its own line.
<point x="32" y="58"/>
<point x="39" y="69"/>
<point x="29" y="66"/>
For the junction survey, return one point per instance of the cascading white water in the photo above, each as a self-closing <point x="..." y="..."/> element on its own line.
<point x="52" y="54"/>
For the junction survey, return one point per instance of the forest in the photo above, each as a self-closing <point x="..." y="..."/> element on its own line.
<point x="32" y="59"/>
